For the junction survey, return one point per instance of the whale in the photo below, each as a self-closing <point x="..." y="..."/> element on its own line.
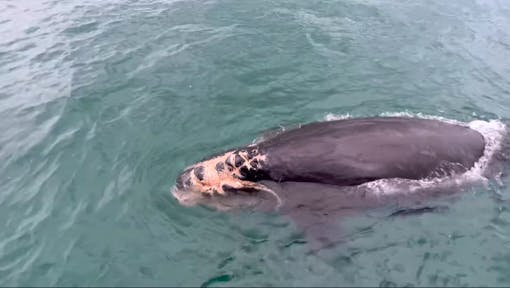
<point x="320" y="172"/>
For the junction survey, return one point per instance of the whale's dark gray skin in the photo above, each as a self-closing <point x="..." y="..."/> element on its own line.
<point x="321" y="171"/>
<point x="354" y="151"/>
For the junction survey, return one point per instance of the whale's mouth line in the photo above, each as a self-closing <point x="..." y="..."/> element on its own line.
<point x="243" y="197"/>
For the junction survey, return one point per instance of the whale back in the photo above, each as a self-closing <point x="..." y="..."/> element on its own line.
<point x="354" y="151"/>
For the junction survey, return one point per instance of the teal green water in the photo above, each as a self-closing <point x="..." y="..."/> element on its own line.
<point x="102" y="103"/>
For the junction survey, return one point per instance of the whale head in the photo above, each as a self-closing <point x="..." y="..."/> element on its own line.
<point x="229" y="177"/>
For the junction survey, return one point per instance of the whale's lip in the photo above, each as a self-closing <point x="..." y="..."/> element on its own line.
<point x="184" y="197"/>
<point x="261" y="200"/>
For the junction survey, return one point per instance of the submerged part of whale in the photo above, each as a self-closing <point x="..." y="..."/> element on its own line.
<point x="320" y="172"/>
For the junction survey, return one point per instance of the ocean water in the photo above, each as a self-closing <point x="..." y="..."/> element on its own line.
<point x="103" y="103"/>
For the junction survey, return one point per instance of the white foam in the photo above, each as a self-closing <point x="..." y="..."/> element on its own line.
<point x="331" y="116"/>
<point x="493" y="132"/>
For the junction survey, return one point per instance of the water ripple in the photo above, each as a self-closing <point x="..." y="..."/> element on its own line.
<point x="102" y="105"/>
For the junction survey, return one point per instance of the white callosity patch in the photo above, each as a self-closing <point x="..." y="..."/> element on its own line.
<point x="493" y="132"/>
<point x="213" y="181"/>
